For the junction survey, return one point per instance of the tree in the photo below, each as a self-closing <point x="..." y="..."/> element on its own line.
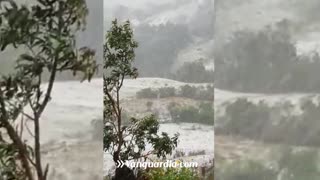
<point x="46" y="32"/>
<point x="127" y="142"/>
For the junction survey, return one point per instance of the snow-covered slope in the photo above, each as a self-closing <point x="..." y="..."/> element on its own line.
<point x="193" y="137"/>
<point x="66" y="133"/>
<point x="132" y="86"/>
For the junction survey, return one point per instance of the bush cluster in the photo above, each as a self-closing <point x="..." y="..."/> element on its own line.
<point x="266" y="61"/>
<point x="204" y="114"/>
<point x="187" y="91"/>
<point x="272" y="124"/>
<point x="194" y="72"/>
<point x="171" y="174"/>
<point x="290" y="165"/>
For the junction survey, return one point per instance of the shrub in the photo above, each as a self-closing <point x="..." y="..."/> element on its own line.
<point x="206" y="113"/>
<point x="167" y="92"/>
<point x="299" y="165"/>
<point x="194" y="72"/>
<point x="203" y="114"/>
<point x="289" y="164"/>
<point x="206" y="94"/>
<point x="187" y="114"/>
<point x="245" y="170"/>
<point x="273" y="124"/>
<point x="171" y="174"/>
<point x="266" y="61"/>
<point x="188" y="91"/>
<point x="147" y="93"/>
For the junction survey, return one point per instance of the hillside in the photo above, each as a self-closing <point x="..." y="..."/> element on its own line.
<point x="263" y="133"/>
<point x="67" y="133"/>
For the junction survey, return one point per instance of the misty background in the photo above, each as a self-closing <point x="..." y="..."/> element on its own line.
<point x="171" y="35"/>
<point x="267" y="86"/>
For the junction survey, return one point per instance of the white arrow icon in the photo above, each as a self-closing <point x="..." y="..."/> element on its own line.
<point x="120" y="164"/>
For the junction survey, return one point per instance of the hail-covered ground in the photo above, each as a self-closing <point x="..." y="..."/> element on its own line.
<point x="66" y="130"/>
<point x="67" y="135"/>
<point x="194" y="138"/>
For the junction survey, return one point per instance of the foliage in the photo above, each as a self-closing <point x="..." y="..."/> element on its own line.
<point x="147" y="93"/>
<point x="187" y="91"/>
<point x="204" y="114"/>
<point x="46" y="30"/>
<point x="266" y="61"/>
<point x="245" y="170"/>
<point x="299" y="165"/>
<point x="194" y="72"/>
<point x="127" y="141"/>
<point x="171" y="174"/>
<point x="246" y="118"/>
<point x="287" y="164"/>
<point x="272" y="124"/>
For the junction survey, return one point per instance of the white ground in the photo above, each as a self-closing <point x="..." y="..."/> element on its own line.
<point x="66" y="134"/>
<point x="190" y="140"/>
<point x="66" y="130"/>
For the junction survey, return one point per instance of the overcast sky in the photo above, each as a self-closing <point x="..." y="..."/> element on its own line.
<point x="153" y="11"/>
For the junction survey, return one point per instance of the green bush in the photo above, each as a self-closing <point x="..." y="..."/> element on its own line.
<point x="204" y="114"/>
<point x="272" y="124"/>
<point x="152" y="94"/>
<point x="299" y="165"/>
<point x="267" y="62"/>
<point x="147" y="93"/>
<point x="186" y="91"/>
<point x="245" y="170"/>
<point x="171" y="174"/>
<point x="194" y="72"/>
<point x="289" y="164"/>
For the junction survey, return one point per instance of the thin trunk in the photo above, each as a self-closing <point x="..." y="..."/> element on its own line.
<point x="41" y="175"/>
<point x="23" y="153"/>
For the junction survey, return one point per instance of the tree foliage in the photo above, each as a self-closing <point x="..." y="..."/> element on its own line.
<point x="45" y="30"/>
<point x="127" y="141"/>
<point x="266" y="61"/>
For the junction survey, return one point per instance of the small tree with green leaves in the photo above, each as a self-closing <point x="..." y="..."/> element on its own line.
<point x="45" y="30"/>
<point x="127" y="142"/>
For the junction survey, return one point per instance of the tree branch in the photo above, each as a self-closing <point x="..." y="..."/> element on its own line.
<point x="23" y="153"/>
